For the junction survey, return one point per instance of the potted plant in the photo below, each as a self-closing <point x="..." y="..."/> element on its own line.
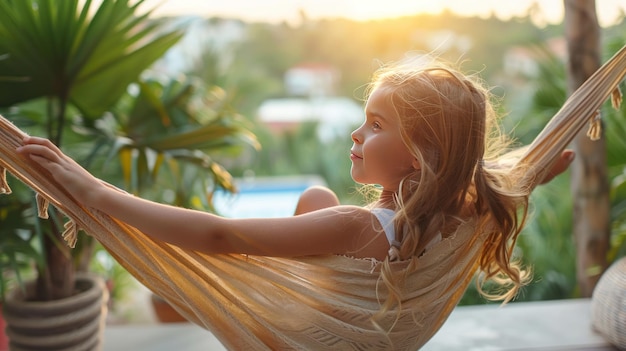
<point x="17" y="251"/>
<point x="177" y="125"/>
<point x="64" y="61"/>
<point x="167" y="134"/>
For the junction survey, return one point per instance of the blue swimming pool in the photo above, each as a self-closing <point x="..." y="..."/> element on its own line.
<point x="264" y="197"/>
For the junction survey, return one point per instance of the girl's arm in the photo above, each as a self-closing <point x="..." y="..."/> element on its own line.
<point x="321" y="232"/>
<point x="335" y="230"/>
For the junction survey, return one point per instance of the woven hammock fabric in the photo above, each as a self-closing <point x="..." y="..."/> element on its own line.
<point x="310" y="303"/>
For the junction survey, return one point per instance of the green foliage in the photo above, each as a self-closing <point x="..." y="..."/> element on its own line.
<point x="85" y="54"/>
<point x="17" y="238"/>
<point x="546" y="244"/>
<point x="179" y="125"/>
<point x="117" y="278"/>
<point x="615" y="129"/>
<point x="549" y="225"/>
<point x="59" y="58"/>
<point x="356" y="48"/>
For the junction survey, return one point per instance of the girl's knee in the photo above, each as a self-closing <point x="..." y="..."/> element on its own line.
<point x="316" y="198"/>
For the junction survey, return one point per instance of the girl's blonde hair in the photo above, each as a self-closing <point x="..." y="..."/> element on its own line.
<point x="449" y="125"/>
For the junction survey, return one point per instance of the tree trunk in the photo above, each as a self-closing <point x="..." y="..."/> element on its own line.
<point x="589" y="183"/>
<point x="56" y="279"/>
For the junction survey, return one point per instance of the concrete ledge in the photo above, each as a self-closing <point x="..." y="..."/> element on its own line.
<point x="548" y="325"/>
<point x="160" y="337"/>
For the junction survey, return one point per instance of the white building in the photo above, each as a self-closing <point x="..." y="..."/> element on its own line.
<point x="201" y="34"/>
<point x="311" y="79"/>
<point x="336" y="116"/>
<point x="311" y="91"/>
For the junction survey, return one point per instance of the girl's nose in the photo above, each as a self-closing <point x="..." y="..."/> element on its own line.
<point x="356" y="138"/>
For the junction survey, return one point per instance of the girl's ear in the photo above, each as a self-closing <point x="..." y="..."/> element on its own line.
<point x="415" y="164"/>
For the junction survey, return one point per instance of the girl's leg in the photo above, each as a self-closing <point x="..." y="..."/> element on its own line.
<point x="316" y="198"/>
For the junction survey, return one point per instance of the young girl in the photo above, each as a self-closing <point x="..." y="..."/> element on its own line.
<point x="428" y="142"/>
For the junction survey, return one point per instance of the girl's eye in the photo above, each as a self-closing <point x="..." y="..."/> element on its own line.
<point x="376" y="125"/>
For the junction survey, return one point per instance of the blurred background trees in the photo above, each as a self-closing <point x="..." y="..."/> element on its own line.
<point x="221" y="79"/>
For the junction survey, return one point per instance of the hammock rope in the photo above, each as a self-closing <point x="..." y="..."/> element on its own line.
<point x="309" y="303"/>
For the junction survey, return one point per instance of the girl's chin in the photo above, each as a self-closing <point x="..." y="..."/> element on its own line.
<point x="355" y="177"/>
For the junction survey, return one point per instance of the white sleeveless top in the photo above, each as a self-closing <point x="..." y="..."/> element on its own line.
<point x="385" y="217"/>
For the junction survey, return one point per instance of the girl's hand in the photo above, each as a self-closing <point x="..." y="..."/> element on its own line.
<point x="74" y="178"/>
<point x="560" y="165"/>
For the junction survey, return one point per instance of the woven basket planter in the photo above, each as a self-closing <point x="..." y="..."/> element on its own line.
<point x="608" y="304"/>
<point x="72" y="324"/>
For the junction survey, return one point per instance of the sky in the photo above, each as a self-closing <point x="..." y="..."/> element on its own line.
<point x="289" y="10"/>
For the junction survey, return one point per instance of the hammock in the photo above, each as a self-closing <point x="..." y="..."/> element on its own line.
<point x="309" y="303"/>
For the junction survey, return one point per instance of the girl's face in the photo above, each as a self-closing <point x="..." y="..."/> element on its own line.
<point x="378" y="155"/>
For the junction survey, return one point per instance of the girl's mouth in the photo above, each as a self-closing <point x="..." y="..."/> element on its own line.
<point x="354" y="156"/>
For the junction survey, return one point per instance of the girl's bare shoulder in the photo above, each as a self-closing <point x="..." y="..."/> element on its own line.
<point x="334" y="230"/>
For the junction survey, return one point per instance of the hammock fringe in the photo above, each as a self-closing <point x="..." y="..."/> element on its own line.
<point x="4" y="185"/>
<point x="595" y="127"/>
<point x="616" y="98"/>
<point x="70" y="235"/>
<point x="42" y="206"/>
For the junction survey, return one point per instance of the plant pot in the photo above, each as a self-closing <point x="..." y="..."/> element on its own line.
<point x="71" y="324"/>
<point x="165" y="313"/>
<point x="608" y="304"/>
<point x="4" y="340"/>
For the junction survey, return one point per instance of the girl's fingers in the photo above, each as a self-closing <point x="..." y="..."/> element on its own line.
<point x="38" y="150"/>
<point x="41" y="160"/>
<point x="36" y="140"/>
<point x="31" y="140"/>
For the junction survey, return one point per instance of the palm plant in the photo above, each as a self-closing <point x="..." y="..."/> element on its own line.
<point x="76" y="58"/>
<point x="178" y="126"/>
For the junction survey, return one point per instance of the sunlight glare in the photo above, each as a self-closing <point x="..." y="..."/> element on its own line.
<point x="291" y="10"/>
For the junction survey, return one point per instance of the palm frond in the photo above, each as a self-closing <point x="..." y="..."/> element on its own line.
<point x="87" y="55"/>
